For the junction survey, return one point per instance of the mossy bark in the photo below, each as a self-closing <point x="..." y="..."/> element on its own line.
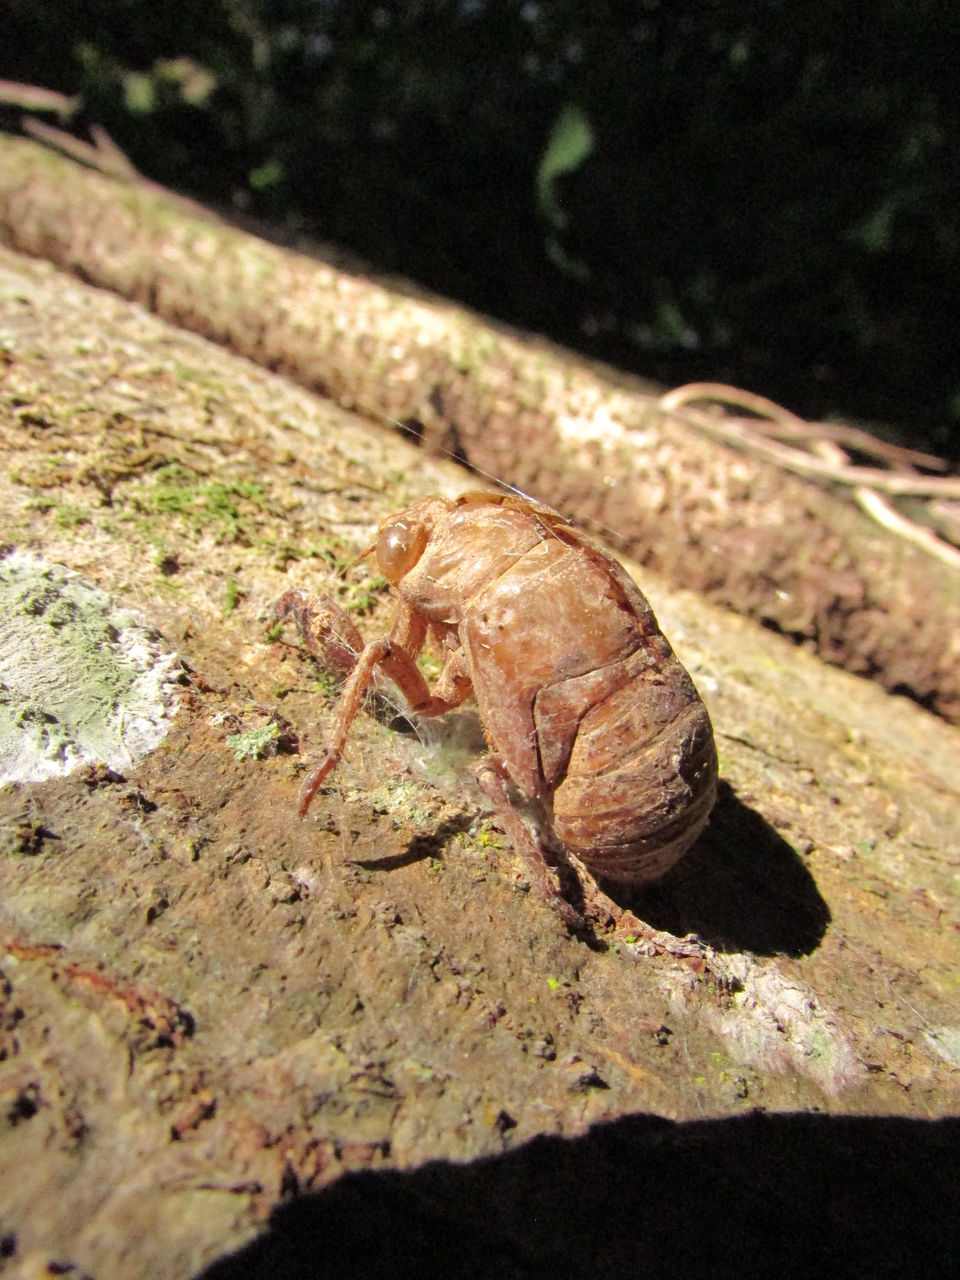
<point x="208" y="1006"/>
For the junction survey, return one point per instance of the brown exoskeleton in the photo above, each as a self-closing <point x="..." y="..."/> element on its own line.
<point x="583" y="703"/>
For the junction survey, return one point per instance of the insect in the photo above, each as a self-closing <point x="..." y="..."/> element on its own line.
<point x="584" y="705"/>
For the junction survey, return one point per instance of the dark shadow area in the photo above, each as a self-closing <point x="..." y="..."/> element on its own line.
<point x="741" y="888"/>
<point x="757" y="1196"/>
<point x="426" y="844"/>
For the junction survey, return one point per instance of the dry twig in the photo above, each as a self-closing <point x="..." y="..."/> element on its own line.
<point x="824" y="458"/>
<point x="101" y="154"/>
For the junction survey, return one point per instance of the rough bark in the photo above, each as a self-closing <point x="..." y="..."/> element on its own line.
<point x="585" y="440"/>
<point x="209" y="1008"/>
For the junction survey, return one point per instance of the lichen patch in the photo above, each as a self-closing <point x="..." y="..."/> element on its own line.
<point x="82" y="680"/>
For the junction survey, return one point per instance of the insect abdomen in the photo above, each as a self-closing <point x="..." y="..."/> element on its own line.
<point x="641" y="778"/>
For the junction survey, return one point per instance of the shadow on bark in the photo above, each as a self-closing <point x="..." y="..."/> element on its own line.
<point x="741" y="888"/>
<point x="784" y="1195"/>
<point x="427" y="844"/>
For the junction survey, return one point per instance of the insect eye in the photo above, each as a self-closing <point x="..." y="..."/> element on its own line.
<point x="399" y="547"/>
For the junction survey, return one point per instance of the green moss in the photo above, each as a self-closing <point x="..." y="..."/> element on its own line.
<point x="327" y="684"/>
<point x="68" y="516"/>
<point x="224" y="507"/>
<point x="199" y="378"/>
<point x="362" y="597"/>
<point x="43" y="505"/>
<point x="430" y="666"/>
<point x="488" y="837"/>
<point x="233" y="594"/>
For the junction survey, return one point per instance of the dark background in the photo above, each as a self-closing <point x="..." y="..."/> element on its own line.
<point x="760" y="192"/>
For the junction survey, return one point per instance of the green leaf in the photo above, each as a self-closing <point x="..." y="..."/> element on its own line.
<point x="570" y="143"/>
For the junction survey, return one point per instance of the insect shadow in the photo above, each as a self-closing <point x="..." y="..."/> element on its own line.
<point x="742" y="887"/>
<point x="425" y="844"/>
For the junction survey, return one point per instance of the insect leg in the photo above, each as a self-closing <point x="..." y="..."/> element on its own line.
<point x="324" y="628"/>
<point x="492" y="779"/>
<point x="351" y="700"/>
<point x="404" y="672"/>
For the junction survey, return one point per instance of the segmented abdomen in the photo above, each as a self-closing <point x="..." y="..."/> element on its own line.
<point x="641" y="778"/>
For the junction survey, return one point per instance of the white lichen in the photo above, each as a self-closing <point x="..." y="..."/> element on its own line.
<point x="82" y="680"/>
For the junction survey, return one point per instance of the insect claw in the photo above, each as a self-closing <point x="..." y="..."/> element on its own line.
<point x="314" y="780"/>
<point x="571" y="917"/>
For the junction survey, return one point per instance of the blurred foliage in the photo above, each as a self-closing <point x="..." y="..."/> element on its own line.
<point x="747" y="190"/>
